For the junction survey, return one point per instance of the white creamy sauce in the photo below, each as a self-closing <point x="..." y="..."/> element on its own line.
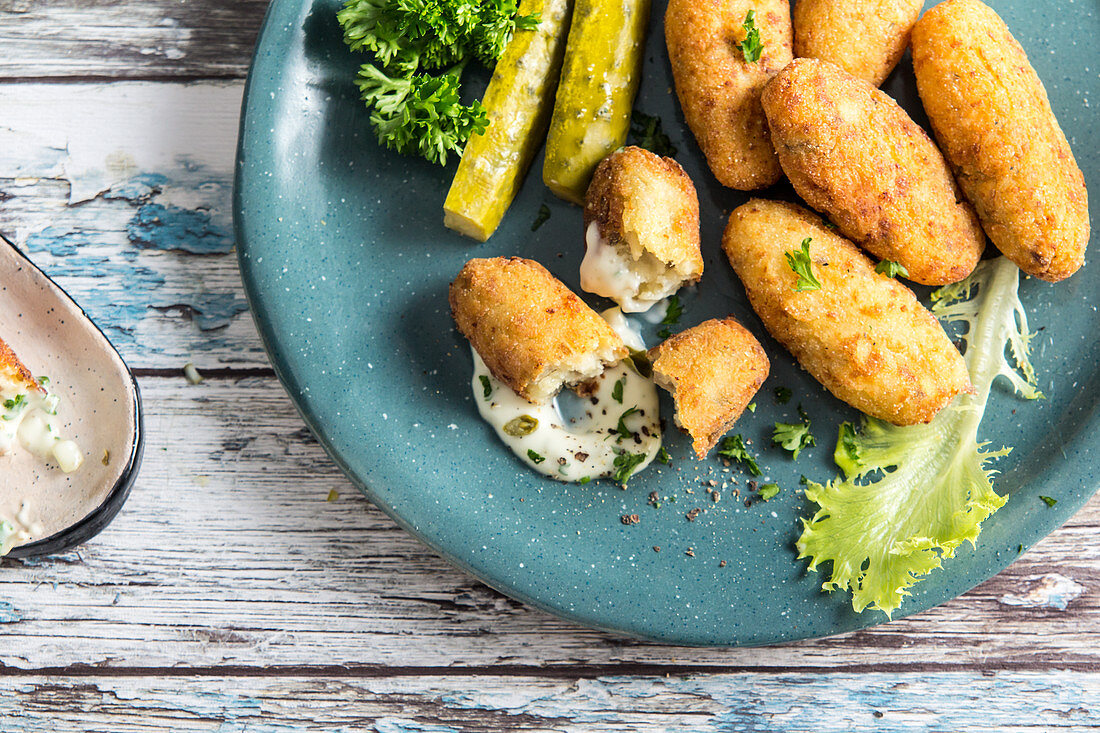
<point x="657" y="313"/>
<point x="583" y="446"/>
<point x="630" y="334"/>
<point x="605" y="271"/>
<point x="30" y="419"/>
<point x="19" y="530"/>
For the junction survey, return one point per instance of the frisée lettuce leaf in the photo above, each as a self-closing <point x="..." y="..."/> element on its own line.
<point x="912" y="495"/>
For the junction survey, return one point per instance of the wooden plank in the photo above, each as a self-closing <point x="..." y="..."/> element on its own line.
<point x="125" y="201"/>
<point x="1005" y="701"/>
<point x="228" y="555"/>
<point x="128" y="38"/>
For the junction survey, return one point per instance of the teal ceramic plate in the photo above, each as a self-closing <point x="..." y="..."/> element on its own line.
<point x="346" y="263"/>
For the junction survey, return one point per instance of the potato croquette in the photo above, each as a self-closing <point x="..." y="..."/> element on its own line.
<point x="641" y="222"/>
<point x="866" y="38"/>
<point x="533" y="333"/>
<point x="863" y="335"/>
<point x="992" y="118"/>
<point x="851" y="152"/>
<point x="712" y="371"/>
<point x="719" y="90"/>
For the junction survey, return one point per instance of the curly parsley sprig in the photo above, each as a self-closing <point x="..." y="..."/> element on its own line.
<point x="420" y="114"/>
<point x="419" y="49"/>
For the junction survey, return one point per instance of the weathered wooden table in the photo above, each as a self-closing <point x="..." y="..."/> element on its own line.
<point x="232" y="595"/>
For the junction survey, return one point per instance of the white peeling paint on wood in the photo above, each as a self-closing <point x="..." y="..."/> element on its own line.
<point x="228" y="553"/>
<point x="118" y="258"/>
<point x="111" y="133"/>
<point x="1003" y="701"/>
<point x="1053" y="590"/>
<point x="126" y="201"/>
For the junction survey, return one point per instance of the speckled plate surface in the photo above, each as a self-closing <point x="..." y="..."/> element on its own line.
<point x="346" y="263"/>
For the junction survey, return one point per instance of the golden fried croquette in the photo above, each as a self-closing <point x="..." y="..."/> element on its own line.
<point x="712" y="371"/>
<point x="866" y="38"/>
<point x="863" y="335"/>
<point x="851" y="152"/>
<point x="533" y="333"/>
<point x="992" y="118"/>
<point x="14" y="377"/>
<point x="641" y="222"/>
<point x="719" y="90"/>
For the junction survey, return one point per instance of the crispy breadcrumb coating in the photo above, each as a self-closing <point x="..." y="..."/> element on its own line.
<point x="14" y="376"/>
<point x="647" y="214"/>
<point x="533" y="332"/>
<point x="863" y="335"/>
<point x="719" y="90"/>
<point x="712" y="371"/>
<point x="852" y="153"/>
<point x="993" y="120"/>
<point x="866" y="38"/>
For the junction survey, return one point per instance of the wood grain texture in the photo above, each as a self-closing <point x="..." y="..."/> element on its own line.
<point x="228" y="555"/>
<point x="231" y="595"/>
<point x="125" y="202"/>
<point x="166" y="39"/>
<point x="901" y="703"/>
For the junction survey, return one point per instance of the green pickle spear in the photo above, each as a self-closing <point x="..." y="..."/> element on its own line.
<point x="518" y="103"/>
<point x="599" y="79"/>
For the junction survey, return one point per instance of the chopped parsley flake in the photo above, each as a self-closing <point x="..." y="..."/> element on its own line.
<point x="751" y="47"/>
<point x="625" y="463"/>
<point x="585" y="480"/>
<point x="1049" y="501"/>
<point x="663" y="456"/>
<point x="783" y="395"/>
<point x="752" y="407"/>
<point x="486" y="386"/>
<point x="889" y="268"/>
<point x="648" y="134"/>
<point x="541" y="217"/>
<point x="768" y="491"/>
<point x="621" y="428"/>
<point x="799" y="261"/>
<point x="672" y="316"/>
<point x="43" y="381"/>
<point x="617" y="390"/>
<point x="535" y="457"/>
<point x="733" y="448"/>
<point x="794" y="436"/>
<point x="14" y="406"/>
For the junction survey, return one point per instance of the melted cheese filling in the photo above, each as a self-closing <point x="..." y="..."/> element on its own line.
<point x="608" y="270"/>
